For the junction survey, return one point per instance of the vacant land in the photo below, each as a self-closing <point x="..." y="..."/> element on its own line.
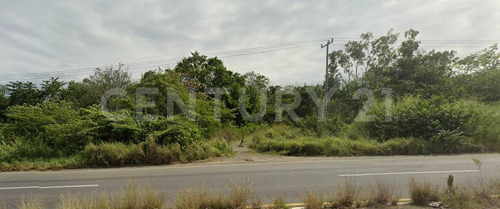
<point x="403" y="101"/>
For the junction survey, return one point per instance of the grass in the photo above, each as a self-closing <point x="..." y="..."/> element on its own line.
<point x="279" y="203"/>
<point x="284" y="140"/>
<point x="236" y="196"/>
<point x="150" y="153"/>
<point x="119" y="154"/>
<point x="334" y="146"/>
<point x="382" y="194"/>
<point x="190" y="198"/>
<point x="346" y="194"/>
<point x="129" y="198"/>
<point x="30" y="202"/>
<point x="312" y="200"/>
<point x="422" y="192"/>
<point x="42" y="164"/>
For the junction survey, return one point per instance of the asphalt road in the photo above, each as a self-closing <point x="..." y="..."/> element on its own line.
<point x="285" y="177"/>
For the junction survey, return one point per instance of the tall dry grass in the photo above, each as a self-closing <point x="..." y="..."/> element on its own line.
<point x="30" y="202"/>
<point x="382" y="193"/>
<point x="192" y="198"/>
<point x="423" y="192"/>
<point x="346" y="194"/>
<point x="237" y="196"/>
<point x="312" y="200"/>
<point x="133" y="197"/>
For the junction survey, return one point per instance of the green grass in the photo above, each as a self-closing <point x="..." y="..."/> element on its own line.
<point x="42" y="164"/>
<point x="119" y="154"/>
<point x="284" y="140"/>
<point x="335" y="146"/>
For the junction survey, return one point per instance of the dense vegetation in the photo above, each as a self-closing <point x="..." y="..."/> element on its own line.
<point x="388" y="97"/>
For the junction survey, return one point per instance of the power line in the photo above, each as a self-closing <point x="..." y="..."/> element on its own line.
<point x="134" y="66"/>
<point x="156" y="63"/>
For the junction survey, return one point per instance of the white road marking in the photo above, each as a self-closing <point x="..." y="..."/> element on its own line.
<point x="406" y="173"/>
<point x="26" y="187"/>
<point x="49" y="187"/>
<point x="69" y="186"/>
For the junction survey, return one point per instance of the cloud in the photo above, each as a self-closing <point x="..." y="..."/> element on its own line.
<point x="41" y="36"/>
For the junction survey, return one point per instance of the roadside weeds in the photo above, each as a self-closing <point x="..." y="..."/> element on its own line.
<point x="237" y="196"/>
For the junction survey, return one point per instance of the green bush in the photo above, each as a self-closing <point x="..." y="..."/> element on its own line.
<point x="166" y="130"/>
<point x="176" y="130"/>
<point x="423" y="118"/>
<point x="58" y="125"/>
<point x="334" y="146"/>
<point x="332" y="126"/>
<point x="487" y="129"/>
<point x="151" y="153"/>
<point x="25" y="149"/>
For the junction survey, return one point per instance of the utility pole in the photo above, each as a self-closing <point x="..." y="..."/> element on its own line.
<point x="326" y="72"/>
<point x="326" y="77"/>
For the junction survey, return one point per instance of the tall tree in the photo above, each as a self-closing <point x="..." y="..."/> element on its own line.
<point x="52" y="89"/>
<point x="479" y="74"/>
<point x="102" y="80"/>
<point x="200" y="73"/>
<point x="21" y="93"/>
<point x="4" y="101"/>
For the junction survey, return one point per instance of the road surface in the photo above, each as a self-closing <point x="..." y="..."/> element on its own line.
<point x="288" y="177"/>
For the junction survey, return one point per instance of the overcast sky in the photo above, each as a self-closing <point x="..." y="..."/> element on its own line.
<point x="54" y="35"/>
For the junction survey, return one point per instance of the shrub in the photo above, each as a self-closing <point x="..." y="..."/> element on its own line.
<point x="487" y="129"/>
<point x="176" y="130"/>
<point x="312" y="200"/>
<point x="332" y="126"/>
<point x="423" y="118"/>
<point x="58" y="125"/>
<point x="381" y="194"/>
<point x="422" y="193"/>
<point x="128" y="129"/>
<point x="347" y="194"/>
<point x="460" y="198"/>
<point x="228" y="133"/>
<point x="151" y="153"/>
<point x="107" y="154"/>
<point x="280" y="203"/>
<point x="25" y="149"/>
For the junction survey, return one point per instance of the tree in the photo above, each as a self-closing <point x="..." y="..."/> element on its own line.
<point x="52" y="90"/>
<point x="166" y="82"/>
<point x="379" y="63"/>
<point x="4" y="102"/>
<point x="101" y="81"/>
<point x="21" y="93"/>
<point x="75" y="93"/>
<point x="200" y="73"/>
<point x="362" y="61"/>
<point x="479" y="74"/>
